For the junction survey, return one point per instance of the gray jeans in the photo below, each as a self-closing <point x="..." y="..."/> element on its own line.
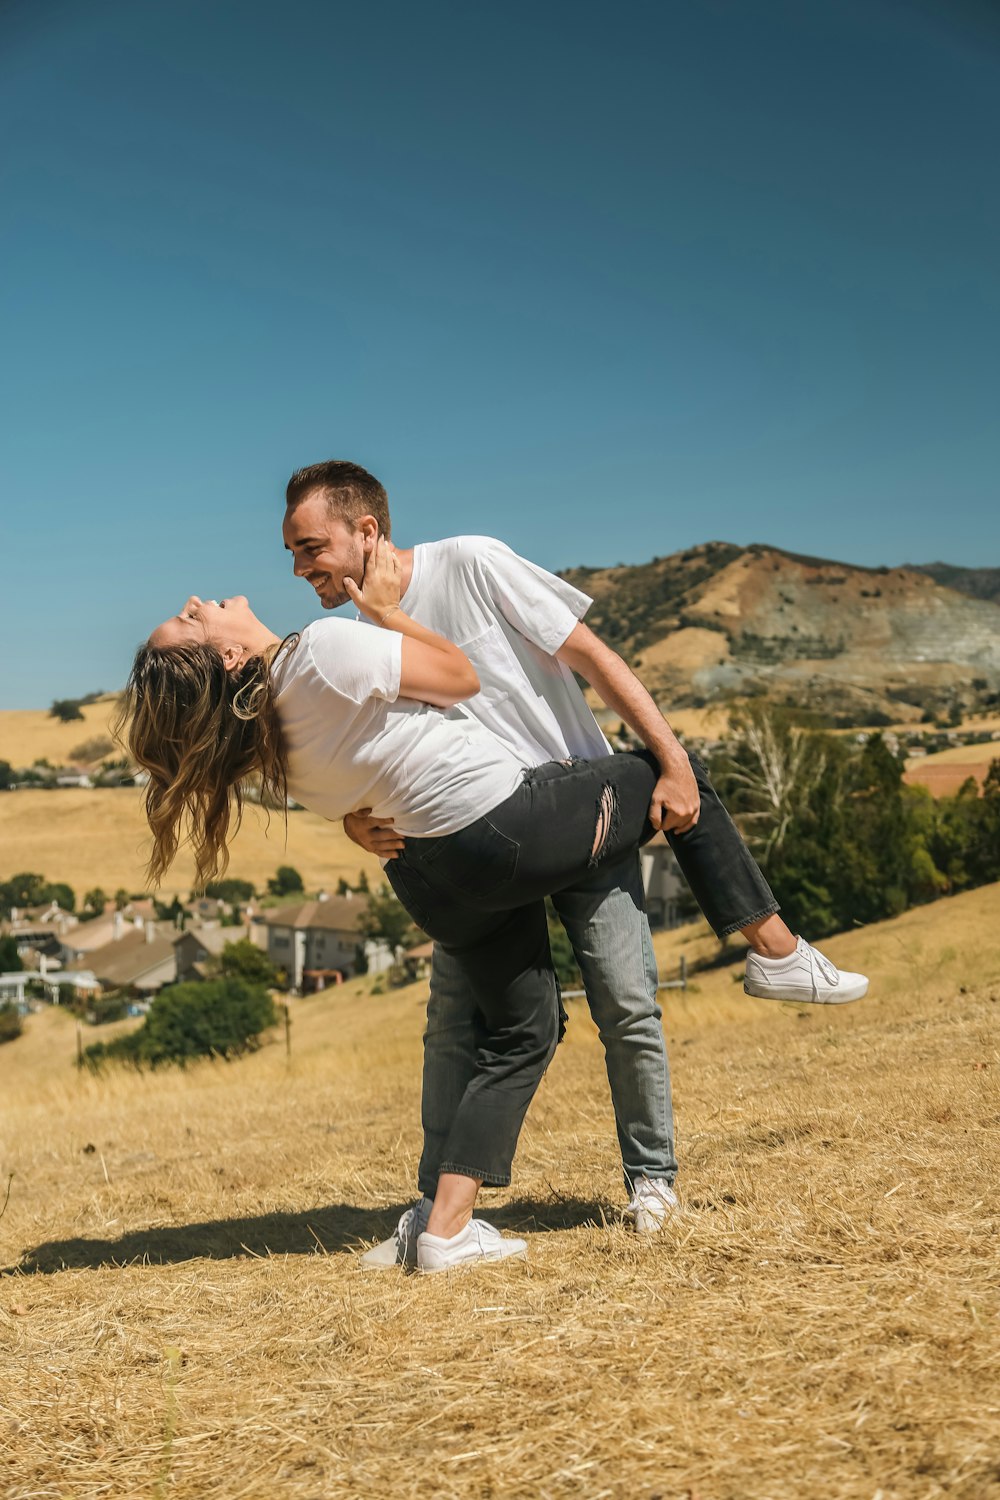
<point x="605" y="920"/>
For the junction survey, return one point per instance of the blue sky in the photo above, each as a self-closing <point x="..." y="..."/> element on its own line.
<point x="602" y="281"/>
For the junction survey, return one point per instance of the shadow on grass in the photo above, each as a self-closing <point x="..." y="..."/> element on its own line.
<point x="336" y="1227"/>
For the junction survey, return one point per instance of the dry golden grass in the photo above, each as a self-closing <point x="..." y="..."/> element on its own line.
<point x="977" y="755"/>
<point x="944" y="772"/>
<point x="29" y="734"/>
<point x="100" y="837"/>
<point x="185" y="1316"/>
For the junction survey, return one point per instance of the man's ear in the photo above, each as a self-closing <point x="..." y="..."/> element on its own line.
<point x="368" y="526"/>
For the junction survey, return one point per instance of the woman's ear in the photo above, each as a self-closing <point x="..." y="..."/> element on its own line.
<point x="232" y="657"/>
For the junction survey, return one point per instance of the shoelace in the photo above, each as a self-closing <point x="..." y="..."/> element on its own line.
<point x="485" y="1232"/>
<point x="409" y="1224"/>
<point x="651" y="1196"/>
<point x="819" y="962"/>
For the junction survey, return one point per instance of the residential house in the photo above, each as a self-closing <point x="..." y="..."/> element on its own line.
<point x="667" y="895"/>
<point x="196" y="949"/>
<point x="141" y="961"/>
<point x="414" y="964"/>
<point x="316" y="942"/>
<point x="39" y="931"/>
<point x="107" y="928"/>
<point x="205" y="910"/>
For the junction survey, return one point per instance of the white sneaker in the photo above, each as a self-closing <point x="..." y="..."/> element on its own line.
<point x="400" y="1249"/>
<point x="478" y="1241"/>
<point x="652" y="1204"/>
<point x="805" y="975"/>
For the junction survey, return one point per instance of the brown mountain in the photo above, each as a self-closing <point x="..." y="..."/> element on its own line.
<point x="721" y="622"/>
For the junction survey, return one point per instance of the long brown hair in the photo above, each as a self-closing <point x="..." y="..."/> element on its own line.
<point x="200" y="732"/>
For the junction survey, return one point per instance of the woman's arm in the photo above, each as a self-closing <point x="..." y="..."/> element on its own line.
<point x="433" y="670"/>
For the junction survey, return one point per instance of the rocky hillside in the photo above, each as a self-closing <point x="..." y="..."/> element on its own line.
<point x="857" y="644"/>
<point x="981" y="583"/>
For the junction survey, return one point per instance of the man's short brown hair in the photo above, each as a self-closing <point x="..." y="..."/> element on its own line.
<point x="348" y="489"/>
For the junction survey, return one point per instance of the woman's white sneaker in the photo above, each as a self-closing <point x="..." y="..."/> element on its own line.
<point x="806" y="975"/>
<point x="653" y="1203"/>
<point x="400" y="1249"/>
<point x="478" y="1241"/>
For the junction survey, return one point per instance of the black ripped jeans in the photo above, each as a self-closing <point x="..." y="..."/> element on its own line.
<point x="480" y="894"/>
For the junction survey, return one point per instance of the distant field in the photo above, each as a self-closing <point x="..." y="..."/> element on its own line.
<point x="944" y="772"/>
<point x="30" y="734"/>
<point x="183" y="1313"/>
<point x="99" y="837"/>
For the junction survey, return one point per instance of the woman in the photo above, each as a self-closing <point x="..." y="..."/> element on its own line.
<point x="345" y="716"/>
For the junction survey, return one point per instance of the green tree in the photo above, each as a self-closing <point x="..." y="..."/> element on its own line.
<point x="222" y="1018"/>
<point x="64" y="895"/>
<point x="6" y="775"/>
<point x="231" y="889"/>
<point x="95" y="901"/>
<point x="11" y="1024"/>
<point x="244" y="960"/>
<point x="25" y="889"/>
<point x="10" y="959"/>
<point x="286" y="881"/>
<point x="386" y="920"/>
<point x="563" y="958"/>
<point x="66" y="709"/>
<point x="29" y="889"/>
<point x="173" y="912"/>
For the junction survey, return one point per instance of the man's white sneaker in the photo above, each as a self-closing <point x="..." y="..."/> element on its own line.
<point x="653" y="1202"/>
<point x="478" y="1241"/>
<point x="805" y="975"/>
<point x="400" y="1249"/>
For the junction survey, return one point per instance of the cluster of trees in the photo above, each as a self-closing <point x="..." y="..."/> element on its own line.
<point x="42" y="775"/>
<point x="222" y="1018"/>
<point x="32" y="889"/>
<point x="29" y="889"/>
<point x="67" y="709"/>
<point x="839" y="835"/>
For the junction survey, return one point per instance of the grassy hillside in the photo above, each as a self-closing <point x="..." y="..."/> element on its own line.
<point x="30" y="734"/>
<point x="185" y="1315"/>
<point x="100" y="837"/>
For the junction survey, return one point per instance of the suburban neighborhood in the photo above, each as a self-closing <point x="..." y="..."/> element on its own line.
<point x="132" y="950"/>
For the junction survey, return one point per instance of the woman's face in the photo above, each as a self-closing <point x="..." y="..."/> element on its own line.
<point x="230" y="626"/>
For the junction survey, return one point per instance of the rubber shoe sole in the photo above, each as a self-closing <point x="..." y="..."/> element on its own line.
<point x="842" y="994"/>
<point x="466" y="1265"/>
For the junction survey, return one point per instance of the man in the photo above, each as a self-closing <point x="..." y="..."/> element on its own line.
<point x="523" y="630"/>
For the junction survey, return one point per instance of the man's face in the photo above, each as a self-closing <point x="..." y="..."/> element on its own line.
<point x="326" y="549"/>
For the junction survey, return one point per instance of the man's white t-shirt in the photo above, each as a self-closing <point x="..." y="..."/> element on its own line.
<point x="351" y="741"/>
<point x="510" y="618"/>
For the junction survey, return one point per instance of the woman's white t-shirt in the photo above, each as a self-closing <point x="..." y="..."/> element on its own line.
<point x="351" y="741"/>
